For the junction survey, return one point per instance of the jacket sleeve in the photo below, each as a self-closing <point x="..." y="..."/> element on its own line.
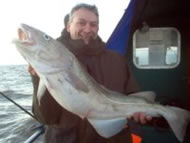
<point x="131" y="83"/>
<point x="48" y="111"/>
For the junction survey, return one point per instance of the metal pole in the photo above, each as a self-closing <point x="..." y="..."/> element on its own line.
<point x="35" y="136"/>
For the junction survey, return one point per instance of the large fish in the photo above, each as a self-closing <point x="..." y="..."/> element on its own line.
<point x="73" y="88"/>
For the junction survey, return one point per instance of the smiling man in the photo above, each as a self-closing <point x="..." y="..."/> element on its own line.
<point x="107" y="67"/>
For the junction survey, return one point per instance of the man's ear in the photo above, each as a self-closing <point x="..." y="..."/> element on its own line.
<point x="68" y="26"/>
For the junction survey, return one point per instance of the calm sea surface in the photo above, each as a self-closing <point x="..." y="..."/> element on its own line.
<point x="15" y="125"/>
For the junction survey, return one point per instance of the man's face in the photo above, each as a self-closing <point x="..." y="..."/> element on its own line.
<point x="83" y="25"/>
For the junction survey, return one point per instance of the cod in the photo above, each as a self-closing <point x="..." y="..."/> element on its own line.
<point x="76" y="91"/>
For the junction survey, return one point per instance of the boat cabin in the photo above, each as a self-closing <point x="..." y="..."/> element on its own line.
<point x="154" y="36"/>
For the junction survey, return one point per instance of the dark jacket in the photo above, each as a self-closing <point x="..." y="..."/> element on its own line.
<point x="107" y="68"/>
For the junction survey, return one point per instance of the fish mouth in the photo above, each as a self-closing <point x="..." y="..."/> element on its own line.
<point x="24" y="36"/>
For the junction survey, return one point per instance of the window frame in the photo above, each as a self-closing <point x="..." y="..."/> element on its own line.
<point x="178" y="58"/>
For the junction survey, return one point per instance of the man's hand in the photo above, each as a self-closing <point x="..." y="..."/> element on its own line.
<point x="140" y="117"/>
<point x="31" y="70"/>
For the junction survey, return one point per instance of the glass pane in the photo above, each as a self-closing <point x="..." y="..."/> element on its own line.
<point x="171" y="55"/>
<point x="142" y="56"/>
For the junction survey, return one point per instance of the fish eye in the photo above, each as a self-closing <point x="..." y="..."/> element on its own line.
<point x="46" y="37"/>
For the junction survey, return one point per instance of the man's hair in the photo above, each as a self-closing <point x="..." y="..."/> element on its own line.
<point x="66" y="19"/>
<point x="89" y="7"/>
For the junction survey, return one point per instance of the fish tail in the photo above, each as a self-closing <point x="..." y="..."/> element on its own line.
<point x="178" y="119"/>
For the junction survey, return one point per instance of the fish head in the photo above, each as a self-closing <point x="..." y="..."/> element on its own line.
<point x="41" y="51"/>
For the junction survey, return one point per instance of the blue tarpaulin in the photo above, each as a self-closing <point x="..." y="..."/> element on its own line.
<point x="118" y="41"/>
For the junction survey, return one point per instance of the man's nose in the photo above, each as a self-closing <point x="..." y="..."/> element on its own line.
<point x="87" y="28"/>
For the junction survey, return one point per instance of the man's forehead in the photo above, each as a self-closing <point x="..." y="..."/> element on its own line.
<point x="85" y="14"/>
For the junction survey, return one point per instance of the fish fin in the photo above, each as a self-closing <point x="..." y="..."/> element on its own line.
<point x="149" y="96"/>
<point x="178" y="120"/>
<point x="41" y="91"/>
<point x="77" y="82"/>
<point x="108" y="128"/>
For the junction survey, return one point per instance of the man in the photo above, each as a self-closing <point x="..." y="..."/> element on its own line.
<point x="105" y="66"/>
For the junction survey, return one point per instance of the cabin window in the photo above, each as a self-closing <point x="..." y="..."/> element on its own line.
<point x="156" y="48"/>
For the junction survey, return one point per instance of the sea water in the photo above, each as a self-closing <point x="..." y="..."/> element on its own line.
<point x="16" y="125"/>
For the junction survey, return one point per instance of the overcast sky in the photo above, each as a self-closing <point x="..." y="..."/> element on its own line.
<point x="47" y="15"/>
